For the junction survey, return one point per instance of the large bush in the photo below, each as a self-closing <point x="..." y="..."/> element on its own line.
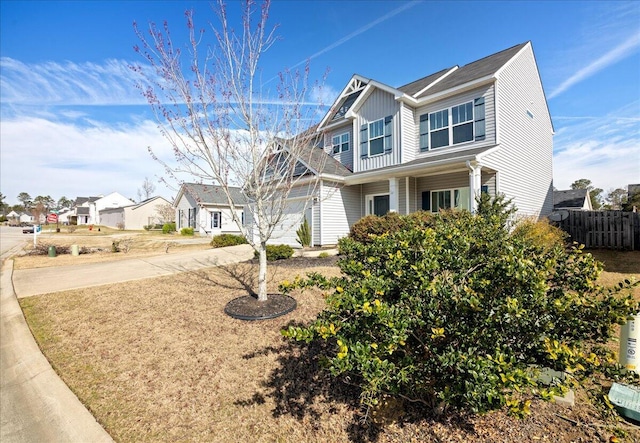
<point x="168" y="228"/>
<point x="456" y="311"/>
<point x="186" y="231"/>
<point x="222" y="240"/>
<point x="276" y="252"/>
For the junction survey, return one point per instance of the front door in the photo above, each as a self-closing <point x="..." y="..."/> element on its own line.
<point x="380" y="204"/>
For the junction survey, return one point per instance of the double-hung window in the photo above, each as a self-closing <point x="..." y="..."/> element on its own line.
<point x="447" y="199"/>
<point x="376" y="137"/>
<point x="457" y="124"/>
<point x="439" y="127"/>
<point x="340" y="143"/>
<point x="462" y="121"/>
<point x="216" y="220"/>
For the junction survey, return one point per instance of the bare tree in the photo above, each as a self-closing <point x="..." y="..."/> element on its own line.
<point x="147" y="190"/>
<point x="226" y="127"/>
<point x="166" y="213"/>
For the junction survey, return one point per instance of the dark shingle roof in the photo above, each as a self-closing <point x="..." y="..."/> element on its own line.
<point x="572" y="198"/>
<point x="418" y="85"/>
<point x="473" y="71"/>
<point x="212" y="194"/>
<point x="81" y="200"/>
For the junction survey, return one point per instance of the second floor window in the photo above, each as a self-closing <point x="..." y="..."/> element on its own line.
<point x="458" y="124"/>
<point x="340" y="143"/>
<point x="376" y="137"/>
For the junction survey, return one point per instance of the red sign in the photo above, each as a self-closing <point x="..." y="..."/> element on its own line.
<point x="52" y="218"/>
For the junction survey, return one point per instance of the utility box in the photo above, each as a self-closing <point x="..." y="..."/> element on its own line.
<point x="629" y="335"/>
<point x="52" y="251"/>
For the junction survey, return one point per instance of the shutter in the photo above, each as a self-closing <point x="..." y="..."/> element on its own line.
<point x="364" y="141"/>
<point x="479" y="118"/>
<point x="424" y="132"/>
<point x="426" y="200"/>
<point x="388" y="130"/>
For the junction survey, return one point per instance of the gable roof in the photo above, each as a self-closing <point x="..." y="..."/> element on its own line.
<point x="81" y="200"/>
<point x="572" y="198"/>
<point x="212" y="194"/>
<point x="418" y="85"/>
<point x="485" y="67"/>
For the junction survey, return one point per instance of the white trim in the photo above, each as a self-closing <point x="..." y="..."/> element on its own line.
<point x="369" y="199"/>
<point x="407" y="195"/>
<point x="446" y="74"/>
<point x="343" y="93"/>
<point x="517" y="54"/>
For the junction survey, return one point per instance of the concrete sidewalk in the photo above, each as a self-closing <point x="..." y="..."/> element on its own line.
<point x="29" y="282"/>
<point x="36" y="405"/>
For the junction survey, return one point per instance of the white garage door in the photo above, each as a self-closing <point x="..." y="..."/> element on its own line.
<point x="285" y="232"/>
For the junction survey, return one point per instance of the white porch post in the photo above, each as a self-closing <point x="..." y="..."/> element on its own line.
<point x="394" y="194"/>
<point x="475" y="183"/>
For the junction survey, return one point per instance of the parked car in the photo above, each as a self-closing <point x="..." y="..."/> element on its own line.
<point x="28" y="230"/>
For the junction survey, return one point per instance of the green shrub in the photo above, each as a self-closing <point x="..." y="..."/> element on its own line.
<point x="168" y="228"/>
<point x="461" y="313"/>
<point x="323" y="255"/>
<point x="363" y="229"/>
<point x="147" y="227"/>
<point x="304" y="234"/>
<point x="186" y="231"/>
<point x="276" y="252"/>
<point x="222" y="240"/>
<point x="540" y="233"/>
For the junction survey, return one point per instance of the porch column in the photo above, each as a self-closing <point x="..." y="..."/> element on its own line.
<point x="394" y="194"/>
<point x="475" y="183"/>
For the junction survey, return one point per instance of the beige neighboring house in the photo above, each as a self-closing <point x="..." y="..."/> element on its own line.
<point x="87" y="209"/>
<point x="135" y="216"/>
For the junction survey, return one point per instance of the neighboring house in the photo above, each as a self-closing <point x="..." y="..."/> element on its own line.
<point x="13" y="217"/>
<point x="26" y="218"/>
<point x="432" y="144"/>
<point x="88" y="208"/>
<point x="134" y="216"/>
<point x="206" y="209"/>
<point x="575" y="199"/>
<point x="63" y="216"/>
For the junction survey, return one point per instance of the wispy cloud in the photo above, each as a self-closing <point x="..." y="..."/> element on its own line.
<point x="68" y="83"/>
<point x="604" y="149"/>
<point x="616" y="54"/>
<point x="43" y="156"/>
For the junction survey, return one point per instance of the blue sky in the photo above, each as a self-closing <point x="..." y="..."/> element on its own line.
<point x="73" y="124"/>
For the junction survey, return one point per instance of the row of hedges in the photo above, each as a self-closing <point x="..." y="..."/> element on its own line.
<point x="456" y="310"/>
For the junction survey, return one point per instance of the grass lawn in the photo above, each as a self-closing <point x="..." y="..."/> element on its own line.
<point x="158" y="360"/>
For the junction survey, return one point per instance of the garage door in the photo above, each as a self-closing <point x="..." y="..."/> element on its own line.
<point x="285" y="232"/>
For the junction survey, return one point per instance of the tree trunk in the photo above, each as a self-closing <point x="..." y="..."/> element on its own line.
<point x="262" y="273"/>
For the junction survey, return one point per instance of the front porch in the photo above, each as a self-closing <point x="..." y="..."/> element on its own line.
<point x="431" y="192"/>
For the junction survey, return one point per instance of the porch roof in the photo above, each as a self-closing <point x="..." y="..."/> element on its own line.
<point x="432" y="162"/>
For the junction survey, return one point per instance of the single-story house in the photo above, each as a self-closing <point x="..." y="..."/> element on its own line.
<point x="134" y="216"/>
<point x="205" y="208"/>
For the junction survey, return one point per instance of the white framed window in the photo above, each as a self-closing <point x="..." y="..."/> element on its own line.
<point x="450" y="198"/>
<point x="340" y="143"/>
<point x="451" y="126"/>
<point x="439" y="128"/>
<point x="216" y="220"/>
<point x="376" y="137"/>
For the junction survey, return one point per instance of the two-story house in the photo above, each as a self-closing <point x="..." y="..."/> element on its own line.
<point x="432" y="144"/>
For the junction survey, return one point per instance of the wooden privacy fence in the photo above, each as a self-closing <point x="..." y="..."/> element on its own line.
<point x="602" y="229"/>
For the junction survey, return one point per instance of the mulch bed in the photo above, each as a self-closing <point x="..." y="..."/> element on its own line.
<point x="249" y="307"/>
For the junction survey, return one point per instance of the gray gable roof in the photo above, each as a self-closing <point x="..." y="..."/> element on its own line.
<point x="572" y="198"/>
<point x="418" y="85"/>
<point x="473" y="71"/>
<point x="213" y="194"/>
<point x="81" y="200"/>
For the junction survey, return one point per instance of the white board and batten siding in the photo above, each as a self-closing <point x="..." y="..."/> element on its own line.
<point x="525" y="136"/>
<point x="379" y="104"/>
<point x="340" y="209"/>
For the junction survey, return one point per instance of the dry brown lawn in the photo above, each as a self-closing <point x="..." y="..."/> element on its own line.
<point x="157" y="360"/>
<point x="142" y="244"/>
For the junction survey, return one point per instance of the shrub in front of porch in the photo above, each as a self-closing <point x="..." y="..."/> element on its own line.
<point x="457" y="311"/>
